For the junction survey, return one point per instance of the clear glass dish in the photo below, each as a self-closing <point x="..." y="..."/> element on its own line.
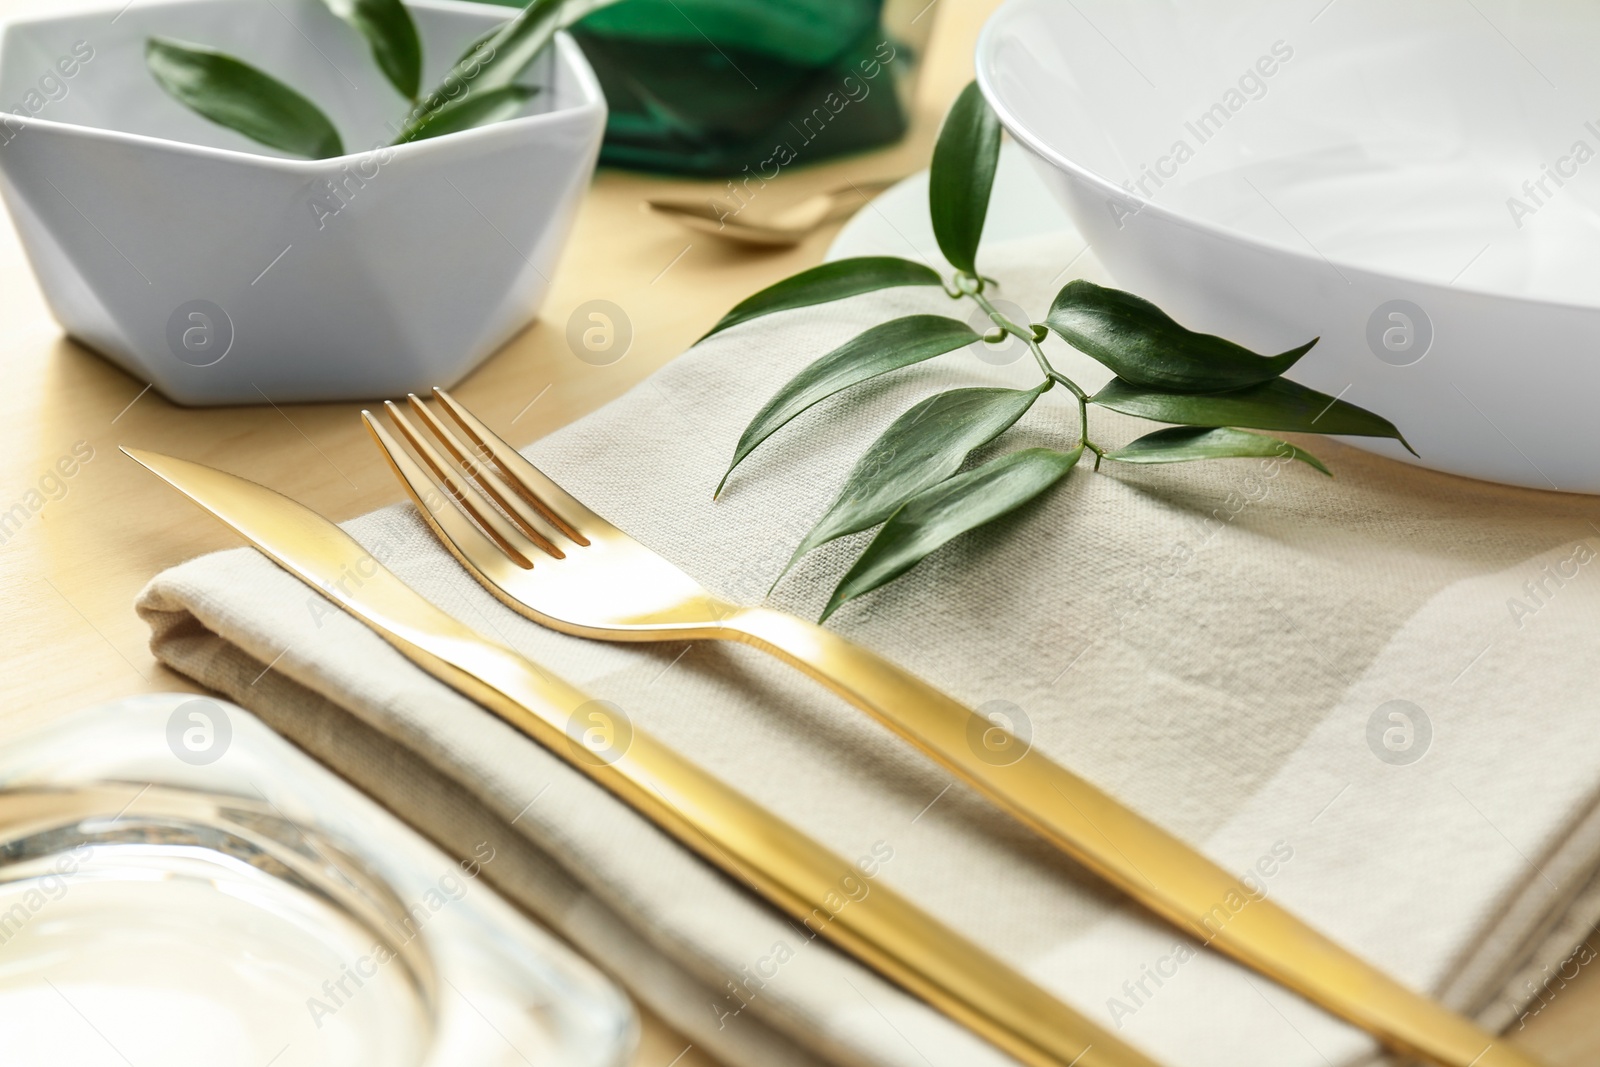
<point x="179" y="885"/>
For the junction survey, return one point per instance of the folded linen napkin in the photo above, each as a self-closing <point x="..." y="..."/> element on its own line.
<point x="1372" y="695"/>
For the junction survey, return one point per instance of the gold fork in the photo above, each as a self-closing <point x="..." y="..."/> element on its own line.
<point x="567" y="568"/>
<point x="828" y="895"/>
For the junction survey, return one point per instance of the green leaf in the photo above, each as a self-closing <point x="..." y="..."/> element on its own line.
<point x="961" y="176"/>
<point x="518" y="44"/>
<point x="1143" y="344"/>
<point x="831" y="281"/>
<point x="895" y="344"/>
<point x="475" y="109"/>
<point x="922" y="448"/>
<point x="948" y="510"/>
<point x="491" y="64"/>
<point x="1180" y="444"/>
<point x="477" y="43"/>
<point x="234" y="94"/>
<point x="1275" y="405"/>
<point x="392" y="36"/>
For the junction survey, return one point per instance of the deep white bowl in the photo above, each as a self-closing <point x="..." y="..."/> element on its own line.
<point x="224" y="272"/>
<point x="1376" y="173"/>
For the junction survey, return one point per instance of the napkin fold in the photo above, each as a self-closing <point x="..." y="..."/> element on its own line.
<point x="1371" y="695"/>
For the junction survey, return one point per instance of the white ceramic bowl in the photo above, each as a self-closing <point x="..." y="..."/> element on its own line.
<point x="224" y="273"/>
<point x="1404" y="180"/>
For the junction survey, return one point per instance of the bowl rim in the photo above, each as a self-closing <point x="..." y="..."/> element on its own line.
<point x="984" y="64"/>
<point x="567" y="54"/>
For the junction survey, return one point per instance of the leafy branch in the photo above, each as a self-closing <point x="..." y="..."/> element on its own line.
<point x="910" y="481"/>
<point x="479" y="89"/>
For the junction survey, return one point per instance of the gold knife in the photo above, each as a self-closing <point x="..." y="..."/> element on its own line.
<point x="789" y="870"/>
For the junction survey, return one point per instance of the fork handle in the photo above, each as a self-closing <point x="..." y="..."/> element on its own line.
<point x="1137" y="856"/>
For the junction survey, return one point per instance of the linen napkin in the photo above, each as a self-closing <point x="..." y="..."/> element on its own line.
<point x="1371" y="695"/>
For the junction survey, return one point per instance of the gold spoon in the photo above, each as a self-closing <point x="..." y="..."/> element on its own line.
<point x="729" y="219"/>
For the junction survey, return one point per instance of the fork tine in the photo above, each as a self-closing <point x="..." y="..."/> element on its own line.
<point x="529" y="520"/>
<point x="465" y="541"/>
<point x="510" y="540"/>
<point x="563" y="510"/>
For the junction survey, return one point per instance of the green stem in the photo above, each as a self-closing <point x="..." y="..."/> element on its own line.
<point x="1055" y="375"/>
<point x="1028" y="337"/>
<point x="999" y="319"/>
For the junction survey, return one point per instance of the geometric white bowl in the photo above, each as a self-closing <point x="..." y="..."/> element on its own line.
<point x="227" y="273"/>
<point x="1402" y="179"/>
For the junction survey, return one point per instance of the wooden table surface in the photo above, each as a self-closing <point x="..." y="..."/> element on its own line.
<point x="69" y="576"/>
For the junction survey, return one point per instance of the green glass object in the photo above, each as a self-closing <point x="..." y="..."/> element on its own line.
<point x="749" y="87"/>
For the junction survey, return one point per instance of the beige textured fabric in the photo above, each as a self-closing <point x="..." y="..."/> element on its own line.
<point x="1217" y="644"/>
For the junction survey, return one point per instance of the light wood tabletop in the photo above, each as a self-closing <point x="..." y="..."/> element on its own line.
<point x="69" y="575"/>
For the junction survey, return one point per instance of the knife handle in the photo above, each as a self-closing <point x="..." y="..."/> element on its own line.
<point x="1141" y="859"/>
